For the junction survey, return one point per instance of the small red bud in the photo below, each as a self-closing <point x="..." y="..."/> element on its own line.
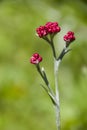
<point x="69" y="37"/>
<point x="35" y="58"/>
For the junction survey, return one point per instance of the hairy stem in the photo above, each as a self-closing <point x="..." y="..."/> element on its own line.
<point x="56" y="68"/>
<point x="57" y="107"/>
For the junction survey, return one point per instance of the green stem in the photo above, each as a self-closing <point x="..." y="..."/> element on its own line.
<point x="50" y="41"/>
<point x="53" y="49"/>
<point x="44" y="77"/>
<point x="48" y="89"/>
<point x="40" y="72"/>
<point x="52" y="46"/>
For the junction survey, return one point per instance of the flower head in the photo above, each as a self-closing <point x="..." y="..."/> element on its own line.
<point x="41" y="31"/>
<point x="69" y="37"/>
<point x="35" y="58"/>
<point x="52" y="27"/>
<point x="48" y="28"/>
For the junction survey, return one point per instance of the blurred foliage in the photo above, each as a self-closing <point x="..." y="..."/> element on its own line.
<point x="23" y="104"/>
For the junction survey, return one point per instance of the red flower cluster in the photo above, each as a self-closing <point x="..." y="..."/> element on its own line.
<point x="69" y="37"/>
<point x="35" y="59"/>
<point x="52" y="27"/>
<point x="41" y="31"/>
<point x="48" y="28"/>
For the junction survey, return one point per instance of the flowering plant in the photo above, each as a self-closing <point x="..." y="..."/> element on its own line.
<point x="47" y="32"/>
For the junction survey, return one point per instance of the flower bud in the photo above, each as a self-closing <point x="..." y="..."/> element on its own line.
<point x="52" y="27"/>
<point x="69" y="37"/>
<point x="41" y="31"/>
<point x="48" y="28"/>
<point x="35" y="58"/>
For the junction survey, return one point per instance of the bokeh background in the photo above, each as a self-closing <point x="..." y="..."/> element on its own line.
<point x="23" y="103"/>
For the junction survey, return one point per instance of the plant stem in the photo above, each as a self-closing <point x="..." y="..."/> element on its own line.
<point x="39" y="70"/>
<point x="52" y="46"/>
<point x="53" y="49"/>
<point x="56" y="68"/>
<point x="48" y="89"/>
<point x="57" y="107"/>
<point x="54" y="97"/>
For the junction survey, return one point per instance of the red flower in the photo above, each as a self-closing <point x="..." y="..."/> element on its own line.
<point x="69" y="37"/>
<point x="41" y="31"/>
<point x="49" y="28"/>
<point x="35" y="59"/>
<point x="52" y="27"/>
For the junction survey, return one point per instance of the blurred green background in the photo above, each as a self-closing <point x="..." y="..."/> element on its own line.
<point x="23" y="103"/>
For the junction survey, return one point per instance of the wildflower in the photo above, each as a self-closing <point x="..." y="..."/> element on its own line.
<point x="69" y="37"/>
<point x="35" y="58"/>
<point x="52" y="27"/>
<point x="41" y="31"/>
<point x="48" y="28"/>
